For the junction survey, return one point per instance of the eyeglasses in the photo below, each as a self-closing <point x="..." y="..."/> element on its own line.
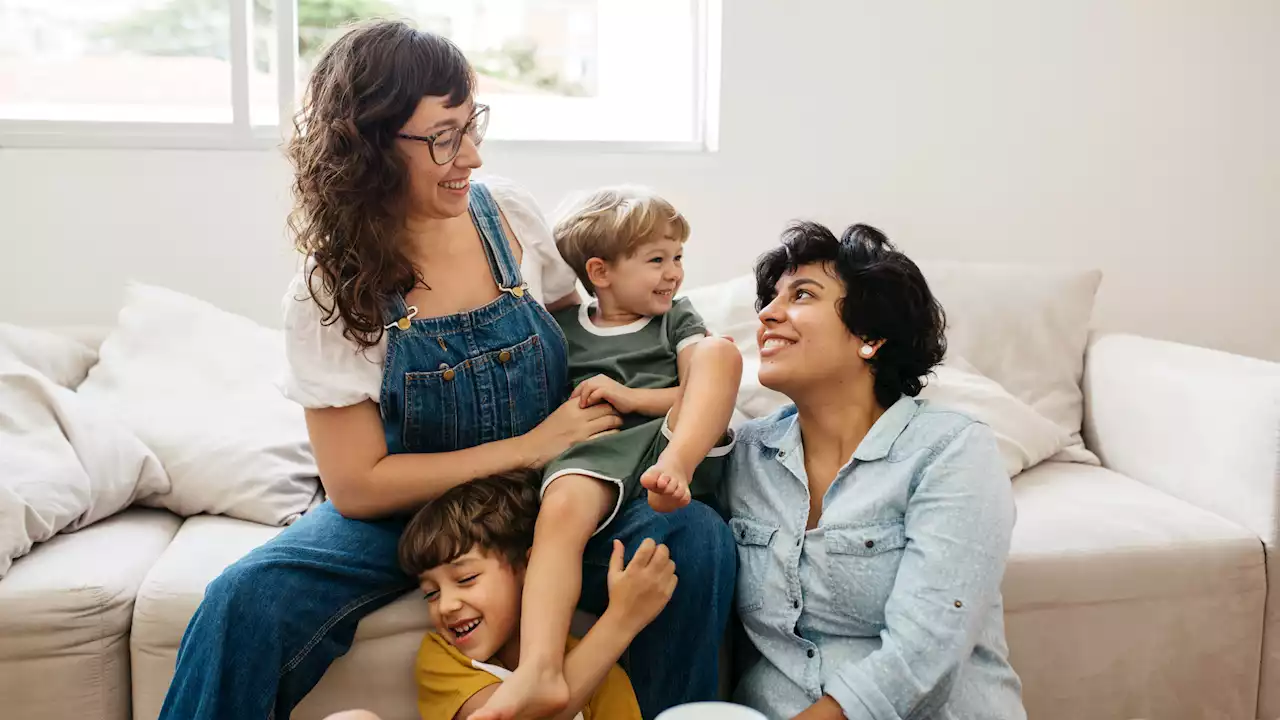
<point x="444" y="145"/>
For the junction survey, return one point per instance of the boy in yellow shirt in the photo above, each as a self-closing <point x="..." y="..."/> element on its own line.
<point x="469" y="548"/>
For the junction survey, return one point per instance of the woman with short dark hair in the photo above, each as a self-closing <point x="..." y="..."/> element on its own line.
<point x="872" y="529"/>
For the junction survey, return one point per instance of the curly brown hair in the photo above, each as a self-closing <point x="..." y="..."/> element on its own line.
<point x="493" y="514"/>
<point x="349" y="182"/>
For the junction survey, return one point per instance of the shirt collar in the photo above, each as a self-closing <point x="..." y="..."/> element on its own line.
<point x="885" y="431"/>
<point x="584" y="319"/>
<point x="785" y="435"/>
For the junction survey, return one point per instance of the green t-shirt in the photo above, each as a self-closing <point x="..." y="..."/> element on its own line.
<point x="639" y="355"/>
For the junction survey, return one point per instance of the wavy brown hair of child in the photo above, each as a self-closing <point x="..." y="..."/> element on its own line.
<point x="350" y="181"/>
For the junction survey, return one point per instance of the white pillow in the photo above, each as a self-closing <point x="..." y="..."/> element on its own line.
<point x="62" y="359"/>
<point x="64" y="464"/>
<point x="1025" y="327"/>
<point x="197" y="386"/>
<point x="1025" y="437"/>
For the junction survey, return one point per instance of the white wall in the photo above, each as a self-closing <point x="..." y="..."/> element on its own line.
<point x="1141" y="137"/>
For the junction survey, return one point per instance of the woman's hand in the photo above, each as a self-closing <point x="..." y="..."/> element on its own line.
<point x="569" y="425"/>
<point x="638" y="593"/>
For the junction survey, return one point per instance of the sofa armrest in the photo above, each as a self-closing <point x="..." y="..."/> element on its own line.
<point x="1198" y="424"/>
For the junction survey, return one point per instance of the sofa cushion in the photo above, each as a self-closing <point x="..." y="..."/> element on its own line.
<point x="1086" y="534"/>
<point x="380" y="663"/>
<point x="65" y="613"/>
<point x="1121" y="601"/>
<point x="376" y="674"/>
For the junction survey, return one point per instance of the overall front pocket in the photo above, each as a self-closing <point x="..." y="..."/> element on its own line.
<point x="493" y="396"/>
<point x="523" y="371"/>
<point x="862" y="566"/>
<point x="431" y="408"/>
<point x="755" y="561"/>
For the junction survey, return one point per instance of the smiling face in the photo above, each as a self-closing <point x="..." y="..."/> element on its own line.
<point x="804" y="344"/>
<point x="438" y="191"/>
<point x="645" y="282"/>
<point x="474" y="602"/>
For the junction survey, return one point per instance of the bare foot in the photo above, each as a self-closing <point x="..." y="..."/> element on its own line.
<point x="668" y="485"/>
<point x="526" y="695"/>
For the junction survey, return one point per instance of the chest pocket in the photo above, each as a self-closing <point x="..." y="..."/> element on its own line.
<point x="755" y="561"/>
<point x="493" y="396"/>
<point x="862" y="566"/>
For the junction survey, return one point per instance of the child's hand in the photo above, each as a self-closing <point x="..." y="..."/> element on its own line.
<point x="638" y="593"/>
<point x="603" y="388"/>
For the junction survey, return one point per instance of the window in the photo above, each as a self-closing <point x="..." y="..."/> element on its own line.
<point x="222" y="73"/>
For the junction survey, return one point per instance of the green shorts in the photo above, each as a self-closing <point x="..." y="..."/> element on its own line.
<point x="621" y="458"/>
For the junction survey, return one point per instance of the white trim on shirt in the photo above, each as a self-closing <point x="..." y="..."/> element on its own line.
<point x="584" y="318"/>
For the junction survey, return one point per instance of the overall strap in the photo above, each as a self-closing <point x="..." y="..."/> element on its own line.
<point x="497" y="247"/>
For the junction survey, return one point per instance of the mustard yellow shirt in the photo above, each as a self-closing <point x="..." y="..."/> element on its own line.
<point x="447" y="679"/>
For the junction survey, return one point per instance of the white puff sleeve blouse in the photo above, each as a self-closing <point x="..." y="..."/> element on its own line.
<point x="325" y="369"/>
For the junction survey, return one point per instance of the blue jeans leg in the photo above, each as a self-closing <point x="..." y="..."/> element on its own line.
<point x="676" y="659"/>
<point x="271" y="624"/>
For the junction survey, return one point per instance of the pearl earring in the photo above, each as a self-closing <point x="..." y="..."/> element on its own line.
<point x="867" y="351"/>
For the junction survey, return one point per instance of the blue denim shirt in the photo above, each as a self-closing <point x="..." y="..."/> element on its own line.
<point x="892" y="604"/>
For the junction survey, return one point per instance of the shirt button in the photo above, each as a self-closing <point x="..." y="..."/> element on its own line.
<point x="809" y="653"/>
<point x="799" y="541"/>
<point x="796" y="604"/>
<point x="870" y="543"/>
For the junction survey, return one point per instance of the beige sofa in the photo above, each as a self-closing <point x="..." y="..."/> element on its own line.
<point x="1137" y="588"/>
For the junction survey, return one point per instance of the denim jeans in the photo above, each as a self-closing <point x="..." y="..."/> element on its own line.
<point x="272" y="623"/>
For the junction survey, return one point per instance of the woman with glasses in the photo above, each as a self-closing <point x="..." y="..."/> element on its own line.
<point x="420" y="348"/>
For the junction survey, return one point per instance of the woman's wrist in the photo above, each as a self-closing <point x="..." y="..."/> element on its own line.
<point x="526" y="449"/>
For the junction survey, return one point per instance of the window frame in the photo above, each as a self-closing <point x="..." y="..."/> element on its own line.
<point x="241" y="134"/>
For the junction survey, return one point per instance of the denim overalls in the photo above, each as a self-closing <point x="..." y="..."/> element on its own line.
<point x="270" y="624"/>
<point x="463" y="380"/>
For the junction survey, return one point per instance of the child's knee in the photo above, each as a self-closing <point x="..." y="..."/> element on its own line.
<point x="721" y="352"/>
<point x="576" y="501"/>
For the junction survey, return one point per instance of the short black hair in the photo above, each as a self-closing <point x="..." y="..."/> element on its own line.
<point x="886" y="298"/>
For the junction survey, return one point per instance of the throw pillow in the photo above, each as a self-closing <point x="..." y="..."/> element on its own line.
<point x="62" y="359"/>
<point x="196" y="384"/>
<point x="1025" y="327"/>
<point x="64" y="464"/>
<point x="1025" y="437"/>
